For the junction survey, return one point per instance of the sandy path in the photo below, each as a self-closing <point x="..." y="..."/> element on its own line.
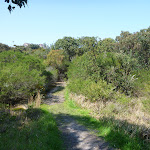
<point x="75" y="136"/>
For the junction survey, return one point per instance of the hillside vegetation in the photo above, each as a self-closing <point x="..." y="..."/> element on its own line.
<point x="110" y="77"/>
<point x="113" y="79"/>
<point x="23" y="82"/>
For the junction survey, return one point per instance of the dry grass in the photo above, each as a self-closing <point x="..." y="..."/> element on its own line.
<point x="132" y="112"/>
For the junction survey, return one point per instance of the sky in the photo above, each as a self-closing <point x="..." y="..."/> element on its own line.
<point x="45" y="21"/>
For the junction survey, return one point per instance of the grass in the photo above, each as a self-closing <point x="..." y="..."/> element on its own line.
<point x="146" y="104"/>
<point x="142" y="83"/>
<point x="118" y="133"/>
<point x="34" y="129"/>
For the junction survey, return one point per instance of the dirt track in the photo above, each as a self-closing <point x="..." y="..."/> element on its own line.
<point x="74" y="135"/>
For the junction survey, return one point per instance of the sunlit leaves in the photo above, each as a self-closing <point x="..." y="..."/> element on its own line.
<point x="21" y="75"/>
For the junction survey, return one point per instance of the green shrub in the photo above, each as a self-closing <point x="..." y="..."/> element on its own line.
<point x="58" y="61"/>
<point x="54" y="73"/>
<point x="117" y="68"/>
<point x="20" y="77"/>
<point x="97" y="91"/>
<point x="98" y="75"/>
<point x="146" y="104"/>
<point x="93" y="91"/>
<point x="142" y="83"/>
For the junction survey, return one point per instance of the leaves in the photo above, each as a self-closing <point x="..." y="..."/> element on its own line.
<point x="136" y="45"/>
<point x="21" y="75"/>
<point x="19" y="3"/>
<point x="111" y="68"/>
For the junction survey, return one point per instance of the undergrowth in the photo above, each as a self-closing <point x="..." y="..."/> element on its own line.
<point x="118" y="133"/>
<point x="33" y="129"/>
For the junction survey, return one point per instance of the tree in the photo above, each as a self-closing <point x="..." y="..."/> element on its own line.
<point x="33" y="46"/>
<point x="19" y="3"/>
<point x="55" y="58"/>
<point x="68" y="44"/>
<point x="4" y="47"/>
<point x="58" y="60"/>
<point x="106" y="45"/>
<point x="137" y="45"/>
<point x="88" y="43"/>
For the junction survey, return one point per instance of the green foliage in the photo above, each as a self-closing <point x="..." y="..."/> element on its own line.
<point x="19" y="48"/>
<point x="10" y="57"/>
<point x="73" y="47"/>
<point x="137" y="45"/>
<point x="4" y="47"/>
<point x="102" y="73"/>
<point x="55" y="74"/>
<point x="34" y="51"/>
<point x="58" y="61"/>
<point x="117" y="68"/>
<point x="68" y="44"/>
<point x="19" y="3"/>
<point x="33" y="129"/>
<point x="93" y="91"/>
<point x="40" y="52"/>
<point x="106" y="45"/>
<point x="21" y="76"/>
<point x="33" y="46"/>
<point x="17" y="82"/>
<point x="86" y="44"/>
<point x="142" y="83"/>
<point x="117" y="132"/>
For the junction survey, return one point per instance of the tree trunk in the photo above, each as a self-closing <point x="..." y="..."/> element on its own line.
<point x="30" y="100"/>
<point x="38" y="100"/>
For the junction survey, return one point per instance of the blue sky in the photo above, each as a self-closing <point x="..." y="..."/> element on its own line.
<point x="48" y="20"/>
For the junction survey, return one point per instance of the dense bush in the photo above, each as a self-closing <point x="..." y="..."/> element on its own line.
<point x="106" y="45"/>
<point x="92" y="90"/>
<point x="20" y="77"/>
<point x="40" y="52"/>
<point x="4" y="47"/>
<point x="98" y="76"/>
<point x="142" y="83"/>
<point x="68" y="44"/>
<point x="117" y="68"/>
<point x="137" y="45"/>
<point x="58" y="62"/>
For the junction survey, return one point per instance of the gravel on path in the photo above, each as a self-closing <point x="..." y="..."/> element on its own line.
<point x="74" y="135"/>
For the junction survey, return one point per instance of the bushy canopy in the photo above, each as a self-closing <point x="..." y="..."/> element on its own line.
<point x="20" y="76"/>
<point x="103" y="72"/>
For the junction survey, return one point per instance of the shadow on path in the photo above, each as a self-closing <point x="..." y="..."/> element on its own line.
<point x="77" y="137"/>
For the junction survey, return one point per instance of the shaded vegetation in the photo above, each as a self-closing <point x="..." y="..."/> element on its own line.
<point x="21" y="76"/>
<point x="32" y="129"/>
<point x="114" y="73"/>
<point x="4" y="47"/>
<point x="59" y="62"/>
